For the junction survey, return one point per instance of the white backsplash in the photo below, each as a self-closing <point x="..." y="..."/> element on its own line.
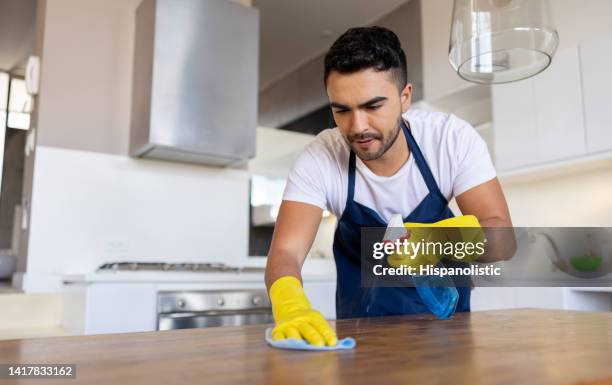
<point x="89" y="208"/>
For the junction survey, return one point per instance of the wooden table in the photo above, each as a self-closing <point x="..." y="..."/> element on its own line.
<point x="495" y="347"/>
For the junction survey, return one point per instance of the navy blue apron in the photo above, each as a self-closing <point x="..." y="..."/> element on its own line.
<point x="353" y="300"/>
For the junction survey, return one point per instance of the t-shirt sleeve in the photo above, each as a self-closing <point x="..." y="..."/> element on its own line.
<point x="306" y="181"/>
<point x="473" y="161"/>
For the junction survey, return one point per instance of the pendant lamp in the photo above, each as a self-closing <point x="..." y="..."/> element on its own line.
<point x="501" y="41"/>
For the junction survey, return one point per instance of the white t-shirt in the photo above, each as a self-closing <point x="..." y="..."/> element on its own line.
<point x="456" y="154"/>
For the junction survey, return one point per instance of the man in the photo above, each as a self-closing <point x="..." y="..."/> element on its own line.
<point x="381" y="159"/>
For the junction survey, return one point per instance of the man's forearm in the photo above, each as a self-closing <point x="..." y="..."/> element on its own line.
<point x="281" y="264"/>
<point x="501" y="242"/>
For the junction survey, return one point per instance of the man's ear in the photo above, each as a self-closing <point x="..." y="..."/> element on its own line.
<point x="406" y="97"/>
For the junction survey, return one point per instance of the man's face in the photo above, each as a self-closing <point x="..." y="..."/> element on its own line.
<point x="367" y="108"/>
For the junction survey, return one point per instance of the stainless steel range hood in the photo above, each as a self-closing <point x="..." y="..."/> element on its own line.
<point x="195" y="81"/>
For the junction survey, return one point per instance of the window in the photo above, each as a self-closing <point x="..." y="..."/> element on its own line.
<point x="19" y="105"/>
<point x="4" y="87"/>
<point x="15" y="103"/>
<point x="15" y="108"/>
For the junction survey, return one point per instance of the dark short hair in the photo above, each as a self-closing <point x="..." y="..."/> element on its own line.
<point x="367" y="47"/>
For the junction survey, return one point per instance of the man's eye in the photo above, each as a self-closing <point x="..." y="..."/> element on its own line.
<point x="373" y="107"/>
<point x="340" y="111"/>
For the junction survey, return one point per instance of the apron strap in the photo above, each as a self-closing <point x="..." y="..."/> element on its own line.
<point x="351" y="179"/>
<point x="420" y="161"/>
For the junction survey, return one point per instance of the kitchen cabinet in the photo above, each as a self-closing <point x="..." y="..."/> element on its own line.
<point x="558" y="101"/>
<point x="540" y="120"/>
<point x="514" y="121"/>
<point x="596" y="61"/>
<point x="493" y="298"/>
<point x="523" y="346"/>
<point x="578" y="298"/>
<point x="98" y="303"/>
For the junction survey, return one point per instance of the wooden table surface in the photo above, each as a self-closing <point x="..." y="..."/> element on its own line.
<point x="495" y="347"/>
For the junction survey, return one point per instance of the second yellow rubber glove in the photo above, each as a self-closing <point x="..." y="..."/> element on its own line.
<point x="294" y="316"/>
<point x="465" y="228"/>
<point x="419" y="232"/>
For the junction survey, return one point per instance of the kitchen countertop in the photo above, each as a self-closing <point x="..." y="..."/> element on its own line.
<point x="522" y="346"/>
<point x="312" y="270"/>
<point x="182" y="277"/>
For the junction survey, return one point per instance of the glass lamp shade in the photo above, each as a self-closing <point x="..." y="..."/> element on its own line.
<point x="501" y="41"/>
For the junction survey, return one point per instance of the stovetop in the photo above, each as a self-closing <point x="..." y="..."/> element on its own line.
<point x="177" y="267"/>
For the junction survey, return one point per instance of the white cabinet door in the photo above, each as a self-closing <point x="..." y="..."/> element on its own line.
<point x="120" y="308"/>
<point x="514" y="125"/>
<point x="596" y="58"/>
<point x="540" y="119"/>
<point x="558" y="99"/>
<point x="495" y="298"/>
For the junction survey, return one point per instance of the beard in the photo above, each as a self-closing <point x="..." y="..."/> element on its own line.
<point x="386" y="142"/>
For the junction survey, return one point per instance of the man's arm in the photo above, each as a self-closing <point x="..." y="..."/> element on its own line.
<point x="487" y="202"/>
<point x="294" y="233"/>
<point x="295" y="230"/>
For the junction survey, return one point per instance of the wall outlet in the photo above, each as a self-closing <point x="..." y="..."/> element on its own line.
<point x="116" y="247"/>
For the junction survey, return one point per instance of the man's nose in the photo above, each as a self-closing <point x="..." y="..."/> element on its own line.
<point x="359" y="122"/>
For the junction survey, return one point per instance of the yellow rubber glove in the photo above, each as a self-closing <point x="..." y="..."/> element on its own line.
<point x="294" y="316"/>
<point x="469" y="221"/>
<point x="418" y="232"/>
<point x="464" y="228"/>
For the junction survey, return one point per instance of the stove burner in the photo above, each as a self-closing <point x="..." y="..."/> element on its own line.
<point x="159" y="266"/>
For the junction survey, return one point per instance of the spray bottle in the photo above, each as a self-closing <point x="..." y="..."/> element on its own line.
<point x="437" y="292"/>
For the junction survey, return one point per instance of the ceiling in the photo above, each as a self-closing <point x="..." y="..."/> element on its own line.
<point x="291" y="31"/>
<point x="295" y="31"/>
<point x="17" y="18"/>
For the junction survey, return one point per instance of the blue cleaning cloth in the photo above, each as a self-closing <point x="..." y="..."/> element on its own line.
<point x="293" y="344"/>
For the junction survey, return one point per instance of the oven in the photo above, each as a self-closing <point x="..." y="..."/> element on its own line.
<point x="208" y="308"/>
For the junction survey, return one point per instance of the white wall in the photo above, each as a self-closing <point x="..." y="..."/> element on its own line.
<point x="581" y="198"/>
<point x="86" y="79"/>
<point x="90" y="208"/>
<point x="563" y="199"/>
<point x="276" y="151"/>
